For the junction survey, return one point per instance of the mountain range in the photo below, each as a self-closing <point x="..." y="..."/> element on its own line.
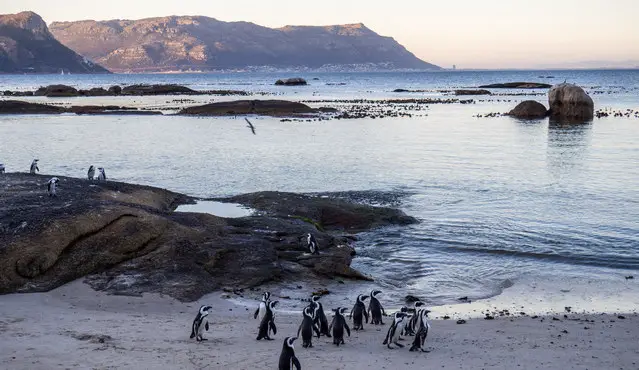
<point x="27" y="46"/>
<point x="188" y="43"/>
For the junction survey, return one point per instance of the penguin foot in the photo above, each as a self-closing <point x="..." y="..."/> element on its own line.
<point x="399" y="345"/>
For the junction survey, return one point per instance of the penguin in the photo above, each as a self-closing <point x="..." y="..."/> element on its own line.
<point x="406" y="329"/>
<point x="1" y="168"/>
<point x="338" y="325"/>
<point x="91" y="172"/>
<point x="34" y="167"/>
<point x="102" y="174"/>
<point x="311" y="243"/>
<point x="413" y="322"/>
<point x="268" y="322"/>
<point x="358" y="311"/>
<point x="375" y="309"/>
<point x="200" y="323"/>
<point x="422" y="332"/>
<point x="261" y="309"/>
<point x="287" y="358"/>
<point x="392" y="336"/>
<point x="319" y="316"/>
<point x="307" y="328"/>
<point x="51" y="186"/>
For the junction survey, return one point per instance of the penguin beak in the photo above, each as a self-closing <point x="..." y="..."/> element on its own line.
<point x="293" y="340"/>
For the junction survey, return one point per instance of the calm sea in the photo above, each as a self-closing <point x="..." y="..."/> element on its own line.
<point x="498" y="198"/>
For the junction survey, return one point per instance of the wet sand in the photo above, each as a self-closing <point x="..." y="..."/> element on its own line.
<point x="76" y="328"/>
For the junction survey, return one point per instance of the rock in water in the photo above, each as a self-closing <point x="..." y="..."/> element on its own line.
<point x="529" y="109"/>
<point x="570" y="102"/>
<point x="292" y="82"/>
<point x="53" y="91"/>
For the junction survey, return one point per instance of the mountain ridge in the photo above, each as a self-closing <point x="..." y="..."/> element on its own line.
<point x="205" y="43"/>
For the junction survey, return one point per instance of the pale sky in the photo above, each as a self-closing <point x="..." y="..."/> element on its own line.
<point x="468" y="33"/>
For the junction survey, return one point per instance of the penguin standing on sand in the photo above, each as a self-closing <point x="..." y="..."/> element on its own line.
<point x="34" y="167"/>
<point x="422" y="332"/>
<point x="91" y="173"/>
<point x="200" y="323"/>
<point x="311" y="243"/>
<point x="287" y="358"/>
<point x="406" y="329"/>
<point x="375" y="308"/>
<point x="392" y="336"/>
<point x="1" y="168"/>
<point x="102" y="174"/>
<point x="413" y="323"/>
<point x="359" y="311"/>
<point x="320" y="317"/>
<point x="52" y="185"/>
<point x="338" y="325"/>
<point x="307" y="328"/>
<point x="268" y="322"/>
<point x="261" y="310"/>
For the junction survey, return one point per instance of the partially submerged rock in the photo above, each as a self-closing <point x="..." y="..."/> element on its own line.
<point x="158" y="90"/>
<point x="297" y="81"/>
<point x="472" y="92"/>
<point x="21" y="107"/>
<point x="570" y="102"/>
<point x="241" y="107"/>
<point x="529" y="109"/>
<point x="517" y="85"/>
<point x="55" y="91"/>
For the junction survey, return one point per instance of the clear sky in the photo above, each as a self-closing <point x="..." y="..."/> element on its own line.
<point x="468" y="33"/>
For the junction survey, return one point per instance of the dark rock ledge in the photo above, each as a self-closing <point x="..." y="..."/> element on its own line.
<point x="126" y="239"/>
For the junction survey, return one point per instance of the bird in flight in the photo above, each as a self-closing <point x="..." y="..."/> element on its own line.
<point x="250" y="125"/>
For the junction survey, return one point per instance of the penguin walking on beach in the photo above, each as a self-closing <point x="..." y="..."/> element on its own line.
<point x="34" y="167"/>
<point x="52" y="185"/>
<point x="1" y="168"/>
<point x="311" y="244"/>
<point x="200" y="323"/>
<point x="338" y="325"/>
<point x="320" y="317"/>
<point x="101" y="174"/>
<point x="287" y="357"/>
<point x="413" y="323"/>
<point x="375" y="309"/>
<point x="406" y="329"/>
<point x="267" y="325"/>
<point x="261" y="309"/>
<point x="392" y="336"/>
<point x="91" y="173"/>
<point x="307" y="328"/>
<point x="422" y="332"/>
<point x="358" y="312"/>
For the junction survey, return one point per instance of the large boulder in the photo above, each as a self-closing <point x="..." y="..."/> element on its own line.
<point x="157" y="90"/>
<point x="517" y="85"/>
<point x="529" y="109"/>
<point x="472" y="92"/>
<point x="570" y="102"/>
<point x="54" y="91"/>
<point x="240" y="107"/>
<point x="297" y="81"/>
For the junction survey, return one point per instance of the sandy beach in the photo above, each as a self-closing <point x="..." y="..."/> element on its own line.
<point x="74" y="327"/>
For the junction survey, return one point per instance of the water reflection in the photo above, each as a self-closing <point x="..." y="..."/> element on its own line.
<point x="568" y="145"/>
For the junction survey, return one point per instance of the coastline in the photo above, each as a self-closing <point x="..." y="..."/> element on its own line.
<point x="76" y="327"/>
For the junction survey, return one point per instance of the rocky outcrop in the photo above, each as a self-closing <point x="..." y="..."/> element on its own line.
<point x="55" y="91"/>
<point x="242" y="107"/>
<point x="472" y="92"/>
<point x="139" y="90"/>
<point x="201" y="43"/>
<point x="570" y="102"/>
<point x="125" y="239"/>
<point x="517" y="85"/>
<point x="27" y="46"/>
<point x="529" y="109"/>
<point x="132" y="90"/>
<point x="21" y="107"/>
<point x="297" y="81"/>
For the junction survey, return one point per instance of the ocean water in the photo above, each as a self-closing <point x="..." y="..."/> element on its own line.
<point x="499" y="199"/>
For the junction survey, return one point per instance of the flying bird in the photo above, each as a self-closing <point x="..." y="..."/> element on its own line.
<point x="250" y="125"/>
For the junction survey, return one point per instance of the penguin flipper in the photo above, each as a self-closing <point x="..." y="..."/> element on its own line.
<point x="206" y="326"/>
<point x="296" y="363"/>
<point x="330" y="327"/>
<point x="273" y="327"/>
<point x="348" y="330"/>
<point x="316" y="329"/>
<point x="382" y="308"/>
<point x="366" y="316"/>
<point x="257" y="312"/>
<point x="299" y="330"/>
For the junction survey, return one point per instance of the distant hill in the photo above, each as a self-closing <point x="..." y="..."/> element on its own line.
<point x="27" y="46"/>
<point x="202" y="43"/>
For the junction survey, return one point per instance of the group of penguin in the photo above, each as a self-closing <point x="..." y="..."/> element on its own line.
<point x="406" y="322"/>
<point x="52" y="184"/>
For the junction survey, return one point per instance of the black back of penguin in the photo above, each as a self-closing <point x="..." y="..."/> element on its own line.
<point x="338" y="325"/>
<point x="358" y="313"/>
<point x="375" y="309"/>
<point x="288" y="360"/>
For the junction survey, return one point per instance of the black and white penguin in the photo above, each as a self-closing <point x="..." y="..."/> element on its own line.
<point x="261" y="309"/>
<point x="1" y="167"/>
<point x="200" y="323"/>
<point x="422" y="331"/>
<point x="311" y="243"/>
<point x="91" y="172"/>
<point x="407" y="329"/>
<point x="413" y="323"/>
<point x="34" y="167"/>
<point x="375" y="308"/>
<point x="287" y="358"/>
<point x="338" y="325"/>
<point x="392" y="336"/>
<point x="320" y="317"/>
<point x="307" y="328"/>
<point x="102" y="174"/>
<point x="358" y="312"/>
<point x="52" y="185"/>
<point x="268" y="322"/>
